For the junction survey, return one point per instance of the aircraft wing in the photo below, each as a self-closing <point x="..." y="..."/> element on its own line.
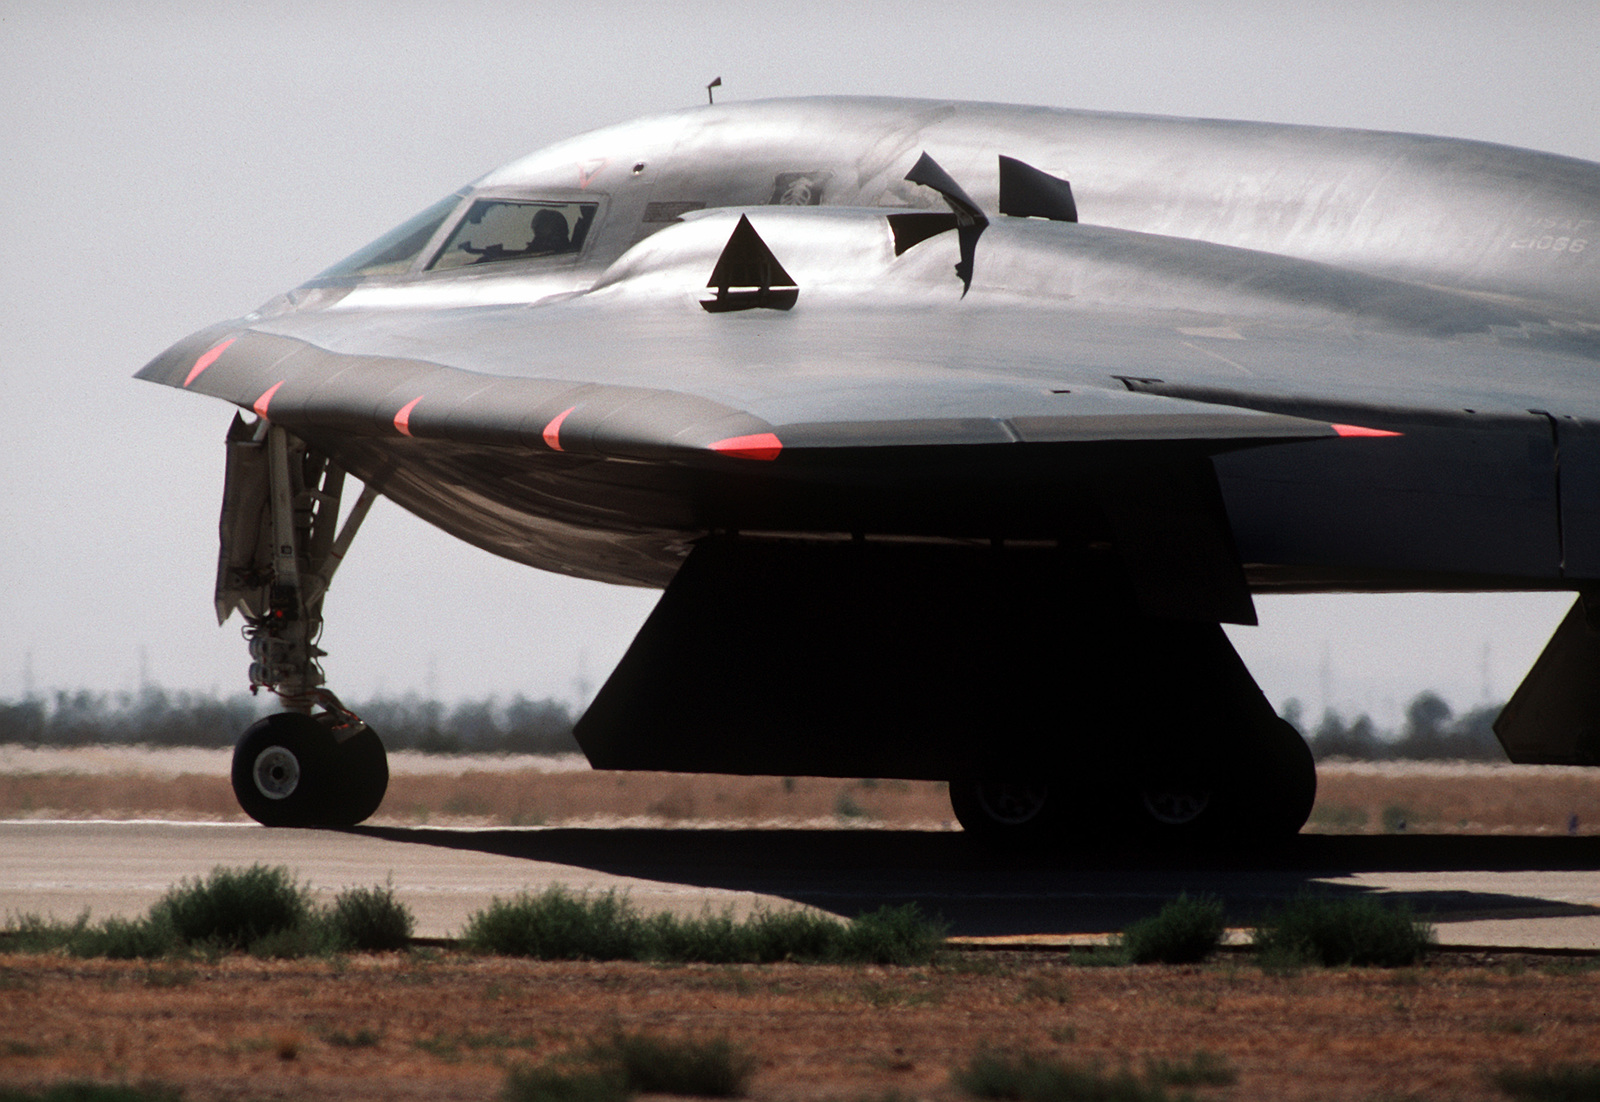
<point x="883" y="399"/>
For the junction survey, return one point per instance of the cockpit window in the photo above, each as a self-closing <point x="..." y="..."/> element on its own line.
<point x="501" y="229"/>
<point x="393" y="253"/>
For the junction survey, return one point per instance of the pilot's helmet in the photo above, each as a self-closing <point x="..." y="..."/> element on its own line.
<point x="550" y="229"/>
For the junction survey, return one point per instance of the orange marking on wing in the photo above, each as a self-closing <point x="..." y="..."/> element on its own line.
<point x="552" y="431"/>
<point x="402" y="420"/>
<point x="265" y="400"/>
<point x="207" y="358"/>
<point x="1361" y="430"/>
<point x="761" y="445"/>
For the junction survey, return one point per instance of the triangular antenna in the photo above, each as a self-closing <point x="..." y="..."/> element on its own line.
<point x="747" y="275"/>
<point x="714" y="84"/>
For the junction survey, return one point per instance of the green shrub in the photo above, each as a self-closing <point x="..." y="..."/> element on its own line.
<point x="231" y="908"/>
<point x="546" y="1083"/>
<point x="893" y="935"/>
<point x="259" y="909"/>
<point x="658" y="1065"/>
<point x="117" y="938"/>
<point x="83" y="1091"/>
<point x="1206" y="1069"/>
<point x="370" y="919"/>
<point x="365" y="1037"/>
<point x="312" y="938"/>
<point x="1099" y="956"/>
<point x="124" y="939"/>
<point x="624" y="1064"/>
<point x="1184" y="931"/>
<point x="1395" y="818"/>
<point x="1560" y="1083"/>
<point x="1028" y="1078"/>
<point x="31" y="933"/>
<point x="557" y="925"/>
<point x="710" y="938"/>
<point x="1360" y="931"/>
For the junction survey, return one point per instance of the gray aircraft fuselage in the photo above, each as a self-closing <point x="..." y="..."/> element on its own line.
<point x="1442" y="288"/>
<point x="1254" y="357"/>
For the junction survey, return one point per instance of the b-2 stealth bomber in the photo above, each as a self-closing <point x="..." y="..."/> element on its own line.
<point x="953" y="433"/>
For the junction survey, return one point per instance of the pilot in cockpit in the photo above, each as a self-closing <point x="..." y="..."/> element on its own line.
<point x="549" y="234"/>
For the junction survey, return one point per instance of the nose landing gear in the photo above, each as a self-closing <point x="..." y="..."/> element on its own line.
<point x="317" y="763"/>
<point x="290" y="769"/>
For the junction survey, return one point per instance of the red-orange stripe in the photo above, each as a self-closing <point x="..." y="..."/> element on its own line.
<point x="552" y="431"/>
<point x="207" y="358"/>
<point x="402" y="420"/>
<point x="760" y="445"/>
<point x="265" y="400"/>
<point x="1361" y="430"/>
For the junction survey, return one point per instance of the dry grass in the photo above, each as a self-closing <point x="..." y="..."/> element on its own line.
<point x="1455" y="798"/>
<point x="449" y="1027"/>
<point x="1354" y="798"/>
<point x="528" y="796"/>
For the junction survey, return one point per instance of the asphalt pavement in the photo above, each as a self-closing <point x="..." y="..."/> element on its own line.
<point x="1536" y="892"/>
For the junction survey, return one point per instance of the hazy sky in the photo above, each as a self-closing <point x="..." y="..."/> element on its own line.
<point x="170" y="165"/>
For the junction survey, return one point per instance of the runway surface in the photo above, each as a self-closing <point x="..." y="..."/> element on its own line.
<point x="1496" y="890"/>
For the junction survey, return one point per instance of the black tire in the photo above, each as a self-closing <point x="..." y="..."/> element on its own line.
<point x="1257" y="787"/>
<point x="281" y="768"/>
<point x="1285" y="781"/>
<point x="1010" y="814"/>
<point x="1179" y="808"/>
<point x="359" y="778"/>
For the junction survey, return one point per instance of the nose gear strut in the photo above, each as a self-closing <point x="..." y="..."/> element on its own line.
<point x="280" y="547"/>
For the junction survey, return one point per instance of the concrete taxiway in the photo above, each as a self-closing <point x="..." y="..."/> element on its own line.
<point x="1508" y="891"/>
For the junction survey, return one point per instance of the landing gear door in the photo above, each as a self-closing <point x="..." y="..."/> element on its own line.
<point x="1578" y="471"/>
<point x="245" y="556"/>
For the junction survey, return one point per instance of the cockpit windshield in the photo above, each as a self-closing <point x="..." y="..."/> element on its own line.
<point x="504" y="229"/>
<point x="394" y="252"/>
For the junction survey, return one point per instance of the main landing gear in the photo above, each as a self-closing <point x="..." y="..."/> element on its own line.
<point x="1254" y="781"/>
<point x="316" y="763"/>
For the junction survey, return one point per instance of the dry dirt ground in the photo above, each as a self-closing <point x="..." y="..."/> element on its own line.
<point x="447" y="1026"/>
<point x="443" y="1026"/>
<point x="1353" y="798"/>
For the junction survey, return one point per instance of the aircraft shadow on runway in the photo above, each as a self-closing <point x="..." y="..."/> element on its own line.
<point x="980" y="892"/>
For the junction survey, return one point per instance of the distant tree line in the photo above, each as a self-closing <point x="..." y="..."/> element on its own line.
<point x="1431" y="732"/>
<point x="156" y="717"/>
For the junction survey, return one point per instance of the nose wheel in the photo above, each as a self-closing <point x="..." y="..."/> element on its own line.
<point x="293" y="770"/>
<point x="280" y="546"/>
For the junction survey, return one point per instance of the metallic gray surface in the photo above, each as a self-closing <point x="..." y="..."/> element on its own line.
<point x="1238" y="283"/>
